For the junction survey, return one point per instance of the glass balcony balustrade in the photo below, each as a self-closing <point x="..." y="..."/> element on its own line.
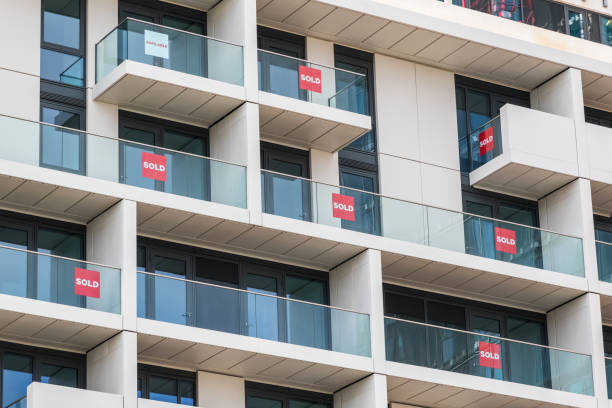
<point x="361" y="211"/>
<point x="213" y="307"/>
<point x="165" y="47"/>
<point x="127" y="162"/>
<point x="306" y="81"/>
<point x="56" y="279"/>
<point x="487" y="356"/>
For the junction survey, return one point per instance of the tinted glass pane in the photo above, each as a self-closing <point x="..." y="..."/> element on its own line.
<point x="184" y="143"/>
<point x="62" y="22"/>
<point x="526" y="330"/>
<point x="545" y="14"/>
<point x="139" y="392"/>
<point x="182" y="24"/>
<point x="486" y="325"/>
<point x="518" y="215"/>
<point x="443" y="314"/>
<point x="576" y="24"/>
<point x="61" y="147"/>
<point x="187" y="395"/>
<point x="60" y="243"/>
<point x="61" y="67"/>
<point x="170" y="294"/>
<point x="16" y="376"/>
<point x="131" y="157"/>
<point x="306" y="404"/>
<point x="462" y="129"/>
<point x="479" y="232"/>
<point x="600" y="235"/>
<point x="404" y="307"/>
<point x="163" y="389"/>
<point x="257" y="402"/>
<point x="605" y="30"/>
<point x="285" y="167"/>
<point x="262" y="310"/>
<point x="357" y="181"/>
<point x="138" y="135"/>
<point x="58" y="375"/>
<point x="14" y="265"/>
<point x="309" y="290"/>
<point x="528" y="364"/>
<point x="479" y="109"/>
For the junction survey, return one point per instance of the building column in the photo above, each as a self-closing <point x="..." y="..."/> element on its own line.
<point x="217" y="390"/>
<point x="113" y="367"/>
<point x="357" y="285"/>
<point x="371" y="392"/>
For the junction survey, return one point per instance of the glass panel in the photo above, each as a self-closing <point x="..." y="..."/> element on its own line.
<point x="16" y="376"/>
<point x="462" y="128"/>
<point x="306" y="404"/>
<point x="309" y="290"/>
<point x="527" y="364"/>
<point x="141" y="263"/>
<point x="170" y="294"/>
<point x="257" y="402"/>
<point x="176" y="50"/>
<point x="605" y="31"/>
<point x="609" y="376"/>
<point x="163" y="389"/>
<point x="484" y="356"/>
<point x="545" y="14"/>
<point x="61" y="148"/>
<point x="479" y="109"/>
<point x="262" y="310"/>
<point x="367" y="206"/>
<point x="58" y="375"/>
<point x="14" y="264"/>
<point x="263" y="316"/>
<point x="286" y="196"/>
<point x="479" y="232"/>
<point x="61" y="21"/>
<point x="485" y="143"/>
<point x="61" y="67"/>
<point x="187" y="394"/>
<point x="182" y="24"/>
<point x="186" y="175"/>
<point x="604" y="261"/>
<point x="576" y="23"/>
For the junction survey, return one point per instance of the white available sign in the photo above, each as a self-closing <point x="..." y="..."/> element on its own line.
<point x="156" y="44"/>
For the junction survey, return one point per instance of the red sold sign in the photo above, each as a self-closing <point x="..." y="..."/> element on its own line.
<point x="486" y="141"/>
<point x="505" y="240"/>
<point x="310" y="79"/>
<point x="154" y="166"/>
<point x="343" y="207"/>
<point x="86" y="282"/>
<point x="489" y="354"/>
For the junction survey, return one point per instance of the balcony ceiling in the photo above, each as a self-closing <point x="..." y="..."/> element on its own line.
<point x="601" y="195"/>
<point x="597" y="90"/>
<point x="284" y="364"/>
<point x="539" y="294"/>
<point x="365" y="31"/>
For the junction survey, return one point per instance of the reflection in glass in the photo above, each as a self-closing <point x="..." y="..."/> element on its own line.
<point x="170" y="294"/>
<point x="61" y="148"/>
<point x="16" y="376"/>
<point x="257" y="402"/>
<point x="14" y="265"/>
<point x="61" y="67"/>
<point x="367" y="206"/>
<point x="262" y="310"/>
<point x="58" y="375"/>
<point x="605" y="30"/>
<point x="576" y="23"/>
<point x="187" y="393"/>
<point x="163" y="389"/>
<point x="61" y="21"/>
<point x="314" y="334"/>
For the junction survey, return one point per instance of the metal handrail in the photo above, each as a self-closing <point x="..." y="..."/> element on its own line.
<point x="252" y="293"/>
<point x="58" y="257"/>
<point x="486" y="335"/>
<point x="420" y="204"/>
<point x="121" y="140"/>
<point x="167" y="28"/>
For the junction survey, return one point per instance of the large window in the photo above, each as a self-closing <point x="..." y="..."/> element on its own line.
<point x="477" y="103"/>
<point x="449" y="350"/>
<point x="166" y="385"/>
<point x="220" y="308"/>
<point x="39" y="277"/>
<point x="268" y="396"/>
<point x="22" y="365"/>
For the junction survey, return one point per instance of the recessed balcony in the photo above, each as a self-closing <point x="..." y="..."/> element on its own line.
<point x="310" y="105"/>
<point x="168" y="72"/>
<point x="198" y="325"/>
<point x="523" y="152"/>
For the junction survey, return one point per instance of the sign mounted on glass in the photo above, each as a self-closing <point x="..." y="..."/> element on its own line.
<point x="343" y="207"/>
<point x="310" y="79"/>
<point x="505" y="240"/>
<point x="154" y="166"/>
<point x="86" y="283"/>
<point x="156" y="44"/>
<point x="486" y="141"/>
<point x="489" y="354"/>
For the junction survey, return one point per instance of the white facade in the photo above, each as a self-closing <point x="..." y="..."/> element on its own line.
<point x="551" y="155"/>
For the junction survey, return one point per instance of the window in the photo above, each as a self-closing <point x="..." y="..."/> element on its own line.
<point x="169" y="15"/>
<point x="269" y="396"/>
<point x="603" y="246"/>
<point x="166" y="385"/>
<point x="38" y="277"/>
<point x="598" y="117"/>
<point x="22" y="365"/>
<point x="477" y="103"/>
<point x="63" y="42"/>
<point x="187" y="175"/>
<point x="61" y="148"/>
<point x="219" y="307"/>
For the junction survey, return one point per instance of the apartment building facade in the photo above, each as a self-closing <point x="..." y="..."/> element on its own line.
<point x="305" y="203"/>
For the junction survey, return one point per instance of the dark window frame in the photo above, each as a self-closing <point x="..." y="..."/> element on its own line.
<point x="40" y="356"/>
<point x="145" y="371"/>
<point x="470" y="306"/>
<point x="598" y="117"/>
<point x="284" y="394"/>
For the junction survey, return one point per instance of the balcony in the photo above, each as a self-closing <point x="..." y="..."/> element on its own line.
<point x="599" y="141"/>
<point x="424" y="350"/>
<point x="38" y="294"/>
<point x="310" y="105"/>
<point x="51" y="396"/>
<point x="168" y="72"/>
<point x="110" y="160"/>
<point x="523" y="152"/>
<point x="247" y="333"/>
